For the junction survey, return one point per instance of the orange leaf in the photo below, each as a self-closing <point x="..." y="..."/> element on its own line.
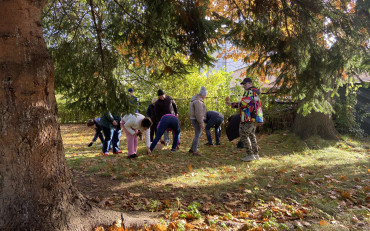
<point x="346" y="194"/>
<point x="189" y="226"/>
<point x="158" y="227"/>
<point x="174" y="215"/>
<point x="323" y="222"/>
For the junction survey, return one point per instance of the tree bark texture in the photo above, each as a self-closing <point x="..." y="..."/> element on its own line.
<point x="36" y="192"/>
<point x="315" y="124"/>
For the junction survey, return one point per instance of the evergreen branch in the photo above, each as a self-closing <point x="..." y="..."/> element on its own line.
<point x="135" y="19"/>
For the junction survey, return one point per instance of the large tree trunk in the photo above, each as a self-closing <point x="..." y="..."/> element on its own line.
<point x="35" y="188"/>
<point x="315" y="124"/>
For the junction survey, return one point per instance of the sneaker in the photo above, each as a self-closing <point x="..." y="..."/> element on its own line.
<point x="118" y="152"/>
<point x="100" y="145"/>
<point x="248" y="158"/>
<point x="208" y="144"/>
<point x="191" y="150"/>
<point x="133" y="156"/>
<point x="173" y="150"/>
<point x="257" y="157"/>
<point x="197" y="154"/>
<point x="218" y="144"/>
<point x="106" y="154"/>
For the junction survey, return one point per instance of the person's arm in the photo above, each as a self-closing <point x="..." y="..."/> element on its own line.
<point x="147" y="138"/>
<point x="233" y="105"/>
<point x="149" y="111"/>
<point x="174" y="105"/>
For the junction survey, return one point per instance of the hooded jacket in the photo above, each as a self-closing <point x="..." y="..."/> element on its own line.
<point x="197" y="108"/>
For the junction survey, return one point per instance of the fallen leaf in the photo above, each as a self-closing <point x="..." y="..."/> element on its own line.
<point x="323" y="223"/>
<point x="158" y="227"/>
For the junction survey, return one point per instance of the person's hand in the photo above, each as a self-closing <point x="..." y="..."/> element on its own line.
<point x="148" y="152"/>
<point x="227" y="100"/>
<point x="114" y="123"/>
<point x="138" y="133"/>
<point x="202" y="126"/>
<point x="90" y="144"/>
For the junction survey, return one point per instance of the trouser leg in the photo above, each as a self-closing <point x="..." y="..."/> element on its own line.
<point x="197" y="135"/>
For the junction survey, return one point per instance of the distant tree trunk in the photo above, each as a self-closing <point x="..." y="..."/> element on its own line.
<point x="313" y="124"/>
<point x="36" y="192"/>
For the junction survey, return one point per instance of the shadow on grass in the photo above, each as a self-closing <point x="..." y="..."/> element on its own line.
<point x="288" y="170"/>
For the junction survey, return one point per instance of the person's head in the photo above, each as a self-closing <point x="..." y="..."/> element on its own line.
<point x="154" y="100"/>
<point x="146" y="123"/>
<point x="131" y="91"/>
<point x="90" y="123"/>
<point x="247" y="83"/>
<point x="203" y="92"/>
<point x="161" y="94"/>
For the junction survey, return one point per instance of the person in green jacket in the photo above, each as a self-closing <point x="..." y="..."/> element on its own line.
<point x="110" y="122"/>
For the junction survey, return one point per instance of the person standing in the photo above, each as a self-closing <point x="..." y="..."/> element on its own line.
<point x="168" y="122"/>
<point x="165" y="105"/>
<point x="98" y="130"/>
<point x="134" y="101"/>
<point x="150" y="112"/>
<point x="198" y="112"/>
<point x="133" y="124"/>
<point x="112" y="131"/>
<point x="213" y="119"/>
<point x="250" y="113"/>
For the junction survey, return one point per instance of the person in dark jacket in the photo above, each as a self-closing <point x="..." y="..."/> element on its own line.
<point x="150" y="112"/>
<point x="110" y="122"/>
<point x="165" y="105"/>
<point x="213" y="119"/>
<point x="98" y="130"/>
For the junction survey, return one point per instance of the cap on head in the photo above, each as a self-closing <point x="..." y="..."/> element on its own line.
<point x="160" y="92"/>
<point x="203" y="91"/>
<point x="130" y="90"/>
<point x="246" y="80"/>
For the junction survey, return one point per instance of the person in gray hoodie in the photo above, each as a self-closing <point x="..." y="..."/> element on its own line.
<point x="198" y="112"/>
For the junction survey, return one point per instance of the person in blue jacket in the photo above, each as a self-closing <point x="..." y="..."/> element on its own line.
<point x="98" y="130"/>
<point x="213" y="119"/>
<point x="168" y="122"/>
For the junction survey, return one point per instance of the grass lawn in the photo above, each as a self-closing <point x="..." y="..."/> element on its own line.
<point x="311" y="185"/>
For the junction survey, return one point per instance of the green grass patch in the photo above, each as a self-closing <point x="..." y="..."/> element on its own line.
<point x="313" y="180"/>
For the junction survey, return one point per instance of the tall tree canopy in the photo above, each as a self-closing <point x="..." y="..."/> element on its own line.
<point x="311" y="46"/>
<point x="99" y="45"/>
